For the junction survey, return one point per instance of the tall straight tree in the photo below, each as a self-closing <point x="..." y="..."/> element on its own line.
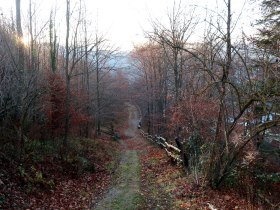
<point x="173" y="39"/>
<point x="67" y="75"/>
<point x="86" y="72"/>
<point x="32" y="52"/>
<point x="20" y="36"/>
<point x="20" y="68"/>
<point x="98" y="113"/>
<point x="75" y="52"/>
<point x="102" y="56"/>
<point x="53" y="43"/>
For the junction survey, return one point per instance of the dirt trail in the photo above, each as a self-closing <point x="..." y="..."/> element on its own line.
<point x="125" y="194"/>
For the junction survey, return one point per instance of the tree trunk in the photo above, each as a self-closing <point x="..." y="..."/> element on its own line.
<point x="20" y="68"/>
<point x="98" y="123"/>
<point x="20" y="44"/>
<point x="67" y="78"/>
<point x="221" y="140"/>
<point x="32" y="52"/>
<point x="87" y="82"/>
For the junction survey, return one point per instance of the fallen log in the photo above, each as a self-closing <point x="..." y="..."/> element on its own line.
<point x="174" y="158"/>
<point x="173" y="148"/>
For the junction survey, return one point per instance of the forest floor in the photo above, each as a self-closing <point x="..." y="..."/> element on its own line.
<point x="130" y="174"/>
<point x="147" y="179"/>
<point x="51" y="183"/>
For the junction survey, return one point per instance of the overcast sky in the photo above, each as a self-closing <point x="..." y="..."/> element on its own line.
<point x="123" y="21"/>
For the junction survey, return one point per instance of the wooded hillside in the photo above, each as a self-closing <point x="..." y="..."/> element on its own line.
<point x="64" y="88"/>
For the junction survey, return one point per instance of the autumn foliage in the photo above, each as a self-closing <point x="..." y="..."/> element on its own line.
<point x="54" y="105"/>
<point x="193" y="114"/>
<point x="54" y="108"/>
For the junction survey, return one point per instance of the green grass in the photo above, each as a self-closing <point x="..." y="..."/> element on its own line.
<point x="125" y="195"/>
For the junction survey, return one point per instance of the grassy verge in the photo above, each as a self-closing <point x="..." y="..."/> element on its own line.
<point x="125" y="193"/>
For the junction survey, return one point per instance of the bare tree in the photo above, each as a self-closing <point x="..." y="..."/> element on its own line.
<point x="149" y="60"/>
<point x="217" y="61"/>
<point x="20" y="37"/>
<point x="173" y="39"/>
<point x="67" y="75"/>
<point x="105" y="62"/>
<point x="53" y="43"/>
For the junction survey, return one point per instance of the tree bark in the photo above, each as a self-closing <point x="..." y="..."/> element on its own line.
<point x="67" y="77"/>
<point x="20" y="67"/>
<point x="98" y="113"/>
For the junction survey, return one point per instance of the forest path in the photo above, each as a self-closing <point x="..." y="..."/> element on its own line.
<point x="125" y="192"/>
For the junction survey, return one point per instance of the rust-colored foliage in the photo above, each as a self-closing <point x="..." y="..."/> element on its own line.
<point x="195" y="113"/>
<point x="54" y="107"/>
<point x="55" y="110"/>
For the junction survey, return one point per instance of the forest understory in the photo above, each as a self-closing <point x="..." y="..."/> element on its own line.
<point x="94" y="167"/>
<point x="187" y="118"/>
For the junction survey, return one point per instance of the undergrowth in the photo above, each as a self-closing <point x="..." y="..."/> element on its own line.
<point x="44" y="166"/>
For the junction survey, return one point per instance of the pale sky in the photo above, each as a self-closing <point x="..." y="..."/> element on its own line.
<point x="123" y="21"/>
